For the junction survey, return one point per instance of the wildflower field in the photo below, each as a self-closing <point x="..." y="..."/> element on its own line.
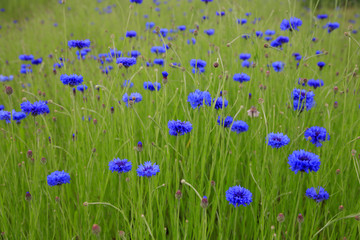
<point x="179" y="119"/>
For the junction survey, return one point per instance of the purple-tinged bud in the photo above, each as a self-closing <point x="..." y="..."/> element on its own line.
<point x="121" y="234"/>
<point x="29" y="154"/>
<point x="8" y="90"/>
<point x="204" y="202"/>
<point x="337" y="171"/>
<point x="43" y="160"/>
<point x="57" y="199"/>
<point x="336" y="89"/>
<point x="139" y="146"/>
<point x="357" y="217"/>
<point x="300" y="218"/>
<point x="27" y="196"/>
<point x="281" y="217"/>
<point x="212" y="183"/>
<point x="341" y="207"/>
<point x="112" y="109"/>
<point x="178" y="194"/>
<point x="336" y="104"/>
<point x="96" y="229"/>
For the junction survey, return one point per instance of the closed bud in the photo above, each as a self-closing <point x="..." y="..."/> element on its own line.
<point x="139" y="146"/>
<point x="357" y="217"/>
<point x="96" y="229"/>
<point x="281" y="217"/>
<point x="178" y="194"/>
<point x="212" y="183"/>
<point x="121" y="234"/>
<point x="341" y="207"/>
<point x="43" y="160"/>
<point x="27" y="196"/>
<point x="8" y="90"/>
<point x="29" y="154"/>
<point x="300" y="218"/>
<point x="336" y="89"/>
<point x="336" y="104"/>
<point x="204" y="202"/>
<point x="216" y="64"/>
<point x="266" y="45"/>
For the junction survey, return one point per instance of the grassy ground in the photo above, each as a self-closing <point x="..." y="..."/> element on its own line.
<point x="146" y="208"/>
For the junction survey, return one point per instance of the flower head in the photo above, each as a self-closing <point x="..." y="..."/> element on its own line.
<point x="82" y="88"/>
<point x="315" y="83"/>
<point x="79" y="43"/>
<point x="239" y="126"/>
<point x="225" y="123"/>
<point x="238" y="195"/>
<point x="302" y="99"/>
<point x="277" y="140"/>
<point x="209" y="32"/>
<point x="316" y="135"/>
<point x="291" y="24"/>
<point x="130" y="34"/>
<point x="318" y="194"/>
<point x="332" y="26"/>
<point x="71" y="80"/>
<point x="159" y="61"/>
<point x="58" y="178"/>
<point x="304" y="161"/>
<point x="26" y="57"/>
<point x="178" y="128"/>
<point x="126" y="62"/>
<point x="5" y="115"/>
<point x="133" y="98"/>
<point x="18" y="116"/>
<point x="278" y="66"/>
<point x="220" y="102"/>
<point x="152" y="86"/>
<point x="120" y="165"/>
<point x="198" y="98"/>
<point x="147" y="169"/>
<point x="244" y="56"/>
<point x="241" y="77"/>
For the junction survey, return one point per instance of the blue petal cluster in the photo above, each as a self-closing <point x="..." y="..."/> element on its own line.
<point x="315" y="83"/>
<point x="79" y="43"/>
<point x="241" y="77"/>
<point x="148" y="169"/>
<point x="71" y="80"/>
<point x="178" y="128"/>
<point x="18" y="116"/>
<point x="5" y="115"/>
<point x="126" y="62"/>
<point x="239" y="126"/>
<point x="37" y="108"/>
<point x="278" y="66"/>
<point x="304" y="161"/>
<point x="130" y="34"/>
<point x="291" y="24"/>
<point x="277" y="140"/>
<point x="58" y="178"/>
<point x="120" y="165"/>
<point x="152" y="86"/>
<point x="225" y="123"/>
<point x="220" y="102"/>
<point x="198" y="98"/>
<point x="238" y="195"/>
<point x="316" y="135"/>
<point x="301" y="99"/>
<point x="133" y="98"/>
<point x="318" y="194"/>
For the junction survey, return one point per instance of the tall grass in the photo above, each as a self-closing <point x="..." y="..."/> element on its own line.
<point x="210" y="159"/>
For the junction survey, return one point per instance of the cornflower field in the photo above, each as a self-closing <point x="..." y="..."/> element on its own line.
<point x="179" y="119"/>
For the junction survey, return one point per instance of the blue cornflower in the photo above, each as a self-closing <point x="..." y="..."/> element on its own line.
<point x="18" y="116"/>
<point x="5" y="115"/>
<point x="316" y="135"/>
<point x="321" y="65"/>
<point x="198" y="98"/>
<point x="35" y="109"/>
<point x="278" y="66"/>
<point x="294" y="23"/>
<point x="126" y="62"/>
<point x="178" y="128"/>
<point x="197" y="63"/>
<point x="182" y="27"/>
<point x="322" y="16"/>
<point x="270" y="32"/>
<point x="71" y="80"/>
<point x="36" y="61"/>
<point x="259" y="34"/>
<point x="136" y="1"/>
<point x="206" y="1"/>
<point x="267" y="38"/>
<point x="238" y="195"/>
<point x="318" y="194"/>
<point x="277" y="140"/>
<point x="115" y="53"/>
<point x="315" y="83"/>
<point x="149" y="25"/>
<point x="147" y="169"/>
<point x="133" y="98"/>
<point x="241" y="77"/>
<point x="222" y="13"/>
<point x="128" y="84"/>
<point x="2" y="107"/>
<point x="239" y="126"/>
<point x="82" y="88"/>
<point x="279" y="41"/>
<point x="6" y="78"/>
<point x="159" y="61"/>
<point x="242" y="21"/>
<point x="297" y="56"/>
<point x="152" y="86"/>
<point x="26" y="57"/>
<point x="79" y="43"/>
<point x="120" y="165"/>
<point x="246" y="64"/>
<point x="225" y="123"/>
<point x="158" y="49"/>
<point x="244" y="56"/>
<point x="165" y="74"/>
<point x="58" y="178"/>
<point x="245" y="36"/>
<point x="135" y="53"/>
<point x="25" y="68"/>
<point x="332" y="26"/>
<point x="304" y="161"/>
<point x="220" y="102"/>
<point x="130" y="34"/>
<point x="209" y="32"/>
<point x="301" y="98"/>
<point x="164" y="32"/>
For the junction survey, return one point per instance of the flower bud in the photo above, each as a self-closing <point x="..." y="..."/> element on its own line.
<point x="281" y="217"/>
<point x="178" y="194"/>
<point x="96" y="229"/>
<point x="300" y="218"/>
<point x="204" y="202"/>
<point x="27" y="196"/>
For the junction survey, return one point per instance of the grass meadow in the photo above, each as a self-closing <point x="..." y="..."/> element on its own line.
<point x="86" y="130"/>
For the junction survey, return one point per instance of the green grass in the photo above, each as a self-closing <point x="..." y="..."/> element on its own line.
<point x="147" y="208"/>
